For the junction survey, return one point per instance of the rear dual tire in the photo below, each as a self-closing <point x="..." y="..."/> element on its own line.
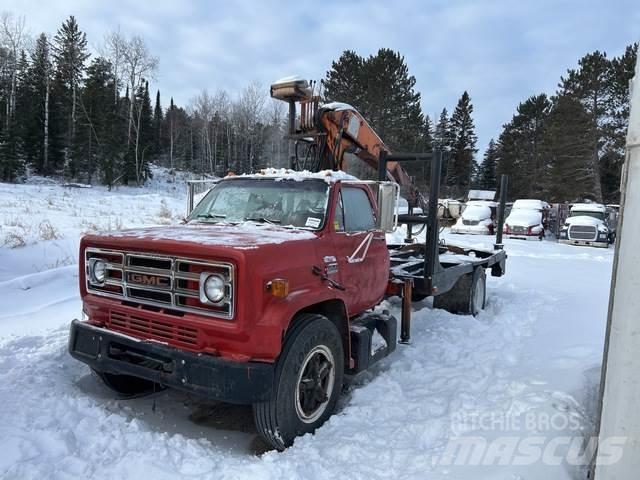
<point x="308" y="382"/>
<point x="467" y="297"/>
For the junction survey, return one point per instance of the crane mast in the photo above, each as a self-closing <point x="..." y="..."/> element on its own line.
<point x="335" y="136"/>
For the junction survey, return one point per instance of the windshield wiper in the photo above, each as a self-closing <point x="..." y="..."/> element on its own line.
<point x="211" y="215"/>
<point x="262" y="220"/>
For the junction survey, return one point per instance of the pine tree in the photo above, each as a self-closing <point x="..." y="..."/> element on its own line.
<point x="568" y="142"/>
<point x="589" y="85"/>
<point x="12" y="165"/>
<point x="620" y="74"/>
<point x="156" y="148"/>
<point x="36" y="132"/>
<point x="142" y="134"/>
<point x="93" y="121"/>
<point x="127" y="168"/>
<point x="462" y="164"/>
<point x="346" y="81"/>
<point x="487" y="178"/>
<point x="521" y="154"/>
<point x="442" y="141"/>
<point x="382" y="90"/>
<point x="69" y="54"/>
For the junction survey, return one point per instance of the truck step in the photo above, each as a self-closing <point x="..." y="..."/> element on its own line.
<point x="373" y="337"/>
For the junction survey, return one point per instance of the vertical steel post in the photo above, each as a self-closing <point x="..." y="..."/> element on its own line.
<point x="292" y="117"/>
<point x="432" y="244"/>
<point x="189" y="197"/>
<point x="405" y="320"/>
<point x="382" y="166"/>
<point x="504" y="184"/>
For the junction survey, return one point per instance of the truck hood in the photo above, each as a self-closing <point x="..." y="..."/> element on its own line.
<point x="524" y="218"/>
<point x="584" y="220"/>
<point x="244" y="236"/>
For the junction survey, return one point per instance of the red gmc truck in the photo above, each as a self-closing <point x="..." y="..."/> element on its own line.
<point x="267" y="293"/>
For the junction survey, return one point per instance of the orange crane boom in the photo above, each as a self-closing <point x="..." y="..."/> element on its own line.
<point x="337" y="136"/>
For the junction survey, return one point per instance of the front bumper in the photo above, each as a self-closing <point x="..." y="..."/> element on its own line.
<point x="206" y="375"/>
<point x="470" y="230"/>
<point x="587" y="243"/>
<point x="522" y="236"/>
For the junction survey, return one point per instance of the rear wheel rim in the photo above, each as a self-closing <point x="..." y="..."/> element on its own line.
<point x="316" y="381"/>
<point x="478" y="296"/>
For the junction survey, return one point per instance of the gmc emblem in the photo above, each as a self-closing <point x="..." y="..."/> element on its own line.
<point x="151" y="280"/>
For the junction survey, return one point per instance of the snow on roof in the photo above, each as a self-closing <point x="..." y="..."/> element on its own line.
<point x="529" y="204"/>
<point x="289" y="79"/>
<point x="328" y="176"/>
<point x="337" y="106"/>
<point x="481" y="194"/>
<point x="588" y="207"/>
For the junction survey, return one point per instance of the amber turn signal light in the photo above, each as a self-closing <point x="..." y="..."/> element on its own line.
<point x="278" y="287"/>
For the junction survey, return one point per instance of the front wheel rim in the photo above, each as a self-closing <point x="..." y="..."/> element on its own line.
<point x="316" y="381"/>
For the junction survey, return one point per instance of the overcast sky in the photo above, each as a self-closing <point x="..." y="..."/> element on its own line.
<point x="499" y="51"/>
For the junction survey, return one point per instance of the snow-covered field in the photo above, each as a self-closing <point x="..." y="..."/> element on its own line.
<point x="526" y="368"/>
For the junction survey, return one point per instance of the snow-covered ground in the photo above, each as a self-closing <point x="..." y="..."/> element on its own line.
<point x="525" y="370"/>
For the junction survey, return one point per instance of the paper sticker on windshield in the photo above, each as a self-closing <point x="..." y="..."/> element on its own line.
<point x="312" y="222"/>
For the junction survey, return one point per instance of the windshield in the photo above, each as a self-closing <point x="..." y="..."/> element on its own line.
<point x="290" y="203"/>
<point x="578" y="213"/>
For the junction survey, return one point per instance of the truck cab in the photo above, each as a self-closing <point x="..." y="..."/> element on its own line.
<point x="588" y="225"/>
<point x="260" y="297"/>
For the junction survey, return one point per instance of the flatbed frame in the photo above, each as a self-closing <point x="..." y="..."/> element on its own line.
<point x="433" y="268"/>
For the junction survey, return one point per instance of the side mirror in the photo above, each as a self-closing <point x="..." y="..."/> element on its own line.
<point x="388" y="193"/>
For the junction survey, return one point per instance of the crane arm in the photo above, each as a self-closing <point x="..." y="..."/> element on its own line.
<point x="339" y="134"/>
<point x="347" y="131"/>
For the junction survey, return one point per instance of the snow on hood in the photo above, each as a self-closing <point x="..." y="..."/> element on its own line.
<point x="242" y="236"/>
<point x="328" y="176"/>
<point x="524" y="218"/>
<point x="584" y="220"/>
<point x="476" y="212"/>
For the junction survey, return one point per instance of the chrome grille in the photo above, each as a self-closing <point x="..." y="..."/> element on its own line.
<point x="470" y="222"/>
<point x="151" y="328"/>
<point x="519" y="229"/>
<point x="583" y="232"/>
<point x="159" y="280"/>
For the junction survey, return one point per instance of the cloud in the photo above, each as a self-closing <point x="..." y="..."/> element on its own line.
<point x="499" y="51"/>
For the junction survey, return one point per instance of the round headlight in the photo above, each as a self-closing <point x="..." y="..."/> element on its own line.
<point x="98" y="271"/>
<point x="213" y="288"/>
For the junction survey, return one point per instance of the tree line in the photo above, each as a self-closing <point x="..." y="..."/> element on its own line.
<point x="569" y="146"/>
<point x="381" y="88"/>
<point x="90" y="118"/>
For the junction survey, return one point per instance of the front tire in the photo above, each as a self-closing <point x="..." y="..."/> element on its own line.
<point x="308" y="382"/>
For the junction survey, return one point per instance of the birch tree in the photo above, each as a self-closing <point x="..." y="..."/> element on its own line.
<point x="12" y="38"/>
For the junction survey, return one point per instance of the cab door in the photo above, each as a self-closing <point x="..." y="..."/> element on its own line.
<point x="362" y="255"/>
